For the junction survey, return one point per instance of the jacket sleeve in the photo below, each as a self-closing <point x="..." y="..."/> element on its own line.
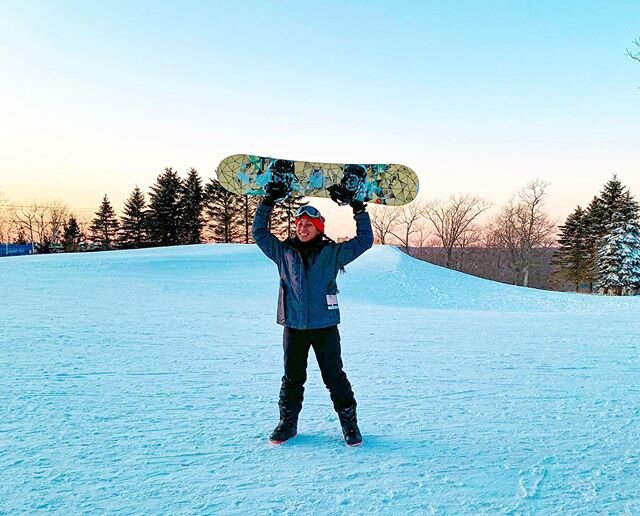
<point x="351" y="249"/>
<point x="266" y="241"/>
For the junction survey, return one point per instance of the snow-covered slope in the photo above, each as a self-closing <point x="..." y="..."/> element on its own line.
<point x="146" y="381"/>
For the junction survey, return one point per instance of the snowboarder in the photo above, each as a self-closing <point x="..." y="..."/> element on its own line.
<point x="308" y="265"/>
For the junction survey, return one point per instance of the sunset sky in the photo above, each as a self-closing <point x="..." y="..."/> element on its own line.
<point x="476" y="96"/>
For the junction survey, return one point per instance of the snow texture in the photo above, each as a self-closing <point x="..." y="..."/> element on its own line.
<point x="146" y="382"/>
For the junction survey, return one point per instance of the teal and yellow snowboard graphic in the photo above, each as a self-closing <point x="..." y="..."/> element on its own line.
<point x="387" y="184"/>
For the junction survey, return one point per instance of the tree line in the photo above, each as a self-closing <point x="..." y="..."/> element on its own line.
<point x="175" y="211"/>
<point x="597" y="246"/>
<point x="597" y="249"/>
<point x="449" y="232"/>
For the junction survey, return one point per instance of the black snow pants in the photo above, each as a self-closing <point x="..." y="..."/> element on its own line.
<point x="326" y="346"/>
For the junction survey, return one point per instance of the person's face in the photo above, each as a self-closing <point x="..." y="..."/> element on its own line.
<point x="305" y="230"/>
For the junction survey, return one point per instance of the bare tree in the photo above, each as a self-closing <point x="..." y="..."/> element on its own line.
<point x="408" y="223"/>
<point x="383" y="219"/>
<point x="522" y="226"/>
<point x="469" y="238"/>
<point x="58" y="215"/>
<point x="84" y="227"/>
<point x="25" y="219"/>
<point x="421" y="235"/>
<point x="453" y="218"/>
<point x="41" y="223"/>
<point x="5" y="220"/>
<point x="634" y="55"/>
<point x="493" y="262"/>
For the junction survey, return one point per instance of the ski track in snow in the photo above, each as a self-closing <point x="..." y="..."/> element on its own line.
<point x="146" y="381"/>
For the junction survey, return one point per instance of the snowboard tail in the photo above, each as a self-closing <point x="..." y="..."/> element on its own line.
<point x="388" y="184"/>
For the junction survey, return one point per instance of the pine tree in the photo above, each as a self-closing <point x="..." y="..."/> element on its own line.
<point x="222" y="213"/>
<point x="72" y="235"/>
<point x="571" y="258"/>
<point x="594" y="229"/>
<point x="629" y="207"/>
<point x="104" y="228"/>
<point x="618" y="263"/>
<point x="21" y="237"/>
<point x="599" y="216"/>
<point x="612" y="199"/>
<point x="165" y="215"/>
<point x="192" y="204"/>
<point x="248" y="205"/>
<point x="616" y="260"/>
<point x="133" y="223"/>
<point x="284" y="216"/>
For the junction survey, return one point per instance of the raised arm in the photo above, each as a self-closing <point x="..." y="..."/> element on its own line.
<point x="351" y="249"/>
<point x="266" y="241"/>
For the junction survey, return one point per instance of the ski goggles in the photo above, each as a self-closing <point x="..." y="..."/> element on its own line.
<point x="310" y="212"/>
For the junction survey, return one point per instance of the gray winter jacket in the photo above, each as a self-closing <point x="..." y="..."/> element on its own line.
<point x="308" y="295"/>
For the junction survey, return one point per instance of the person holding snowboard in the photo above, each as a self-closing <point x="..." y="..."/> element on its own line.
<point x="308" y="265"/>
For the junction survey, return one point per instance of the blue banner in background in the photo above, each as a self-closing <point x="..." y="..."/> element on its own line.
<point x="15" y="249"/>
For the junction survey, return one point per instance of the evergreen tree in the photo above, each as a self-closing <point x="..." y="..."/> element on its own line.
<point x="21" y="237"/>
<point x="164" y="214"/>
<point x="133" y="223"/>
<point x="71" y="235"/>
<point x="618" y="264"/>
<point x="615" y="226"/>
<point x="612" y="200"/>
<point x="222" y="213"/>
<point x="595" y="228"/>
<point x="284" y="216"/>
<point x="599" y="216"/>
<point x="248" y="205"/>
<point x="629" y="207"/>
<point x="192" y="204"/>
<point x="104" y="228"/>
<point x="571" y="258"/>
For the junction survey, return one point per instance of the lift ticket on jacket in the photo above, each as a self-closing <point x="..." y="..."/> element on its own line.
<point x="332" y="302"/>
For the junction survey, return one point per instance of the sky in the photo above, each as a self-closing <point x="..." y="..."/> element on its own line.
<point x="477" y="97"/>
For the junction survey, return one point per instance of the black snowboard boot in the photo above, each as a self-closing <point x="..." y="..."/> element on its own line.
<point x="349" y="423"/>
<point x="286" y="428"/>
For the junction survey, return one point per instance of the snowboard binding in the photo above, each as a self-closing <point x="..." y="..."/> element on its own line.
<point x="387" y="184"/>
<point x="283" y="175"/>
<point x="350" y="185"/>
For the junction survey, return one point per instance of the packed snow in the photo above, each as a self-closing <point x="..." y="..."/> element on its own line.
<point x="146" y="381"/>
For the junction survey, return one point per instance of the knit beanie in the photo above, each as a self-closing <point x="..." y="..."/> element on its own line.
<point x="318" y="222"/>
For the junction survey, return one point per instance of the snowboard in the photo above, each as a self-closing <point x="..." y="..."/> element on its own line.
<point x="387" y="184"/>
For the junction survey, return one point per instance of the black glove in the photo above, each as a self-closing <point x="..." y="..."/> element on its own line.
<point x="276" y="192"/>
<point x="357" y="206"/>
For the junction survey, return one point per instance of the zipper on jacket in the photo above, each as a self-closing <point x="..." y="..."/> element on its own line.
<point x="306" y="280"/>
